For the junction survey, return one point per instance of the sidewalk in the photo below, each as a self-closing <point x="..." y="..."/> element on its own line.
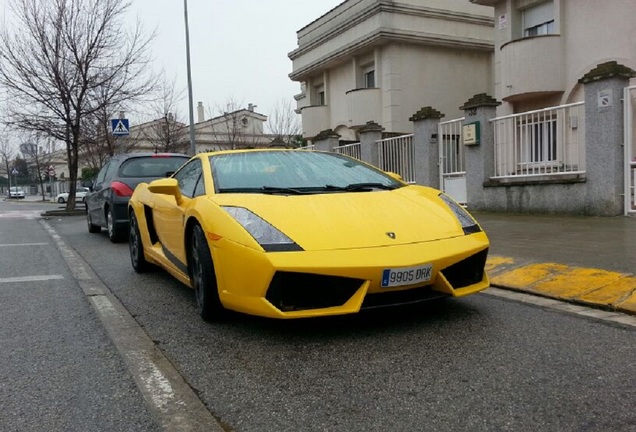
<point x="584" y="260"/>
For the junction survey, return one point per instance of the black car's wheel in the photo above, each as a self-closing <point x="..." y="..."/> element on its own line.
<point x="89" y="221"/>
<point x="135" y="244"/>
<point x="115" y="233"/>
<point x="61" y="200"/>
<point x="203" y="278"/>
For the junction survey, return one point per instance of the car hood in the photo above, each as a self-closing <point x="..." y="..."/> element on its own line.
<point x="406" y="215"/>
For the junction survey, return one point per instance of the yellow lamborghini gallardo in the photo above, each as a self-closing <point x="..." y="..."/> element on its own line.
<point x="294" y="233"/>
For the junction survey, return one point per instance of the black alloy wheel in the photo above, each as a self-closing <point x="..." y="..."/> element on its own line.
<point x="115" y="233"/>
<point x="91" y="227"/>
<point x="203" y="278"/>
<point x="139" y="263"/>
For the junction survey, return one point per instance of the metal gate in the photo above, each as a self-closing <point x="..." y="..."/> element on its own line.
<point x="629" y="99"/>
<point x="452" y="164"/>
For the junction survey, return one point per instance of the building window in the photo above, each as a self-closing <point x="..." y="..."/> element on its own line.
<point x="366" y="76"/>
<point x="538" y="19"/>
<point x="319" y="95"/>
<point x="538" y="141"/>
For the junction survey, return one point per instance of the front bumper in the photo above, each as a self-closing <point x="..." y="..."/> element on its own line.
<point x="320" y="283"/>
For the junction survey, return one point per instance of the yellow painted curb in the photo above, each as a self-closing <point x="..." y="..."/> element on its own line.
<point x="588" y="285"/>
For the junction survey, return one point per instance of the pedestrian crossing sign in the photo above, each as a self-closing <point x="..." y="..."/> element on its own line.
<point x="120" y="127"/>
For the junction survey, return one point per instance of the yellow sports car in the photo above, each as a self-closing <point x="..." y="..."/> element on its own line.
<point x="295" y="233"/>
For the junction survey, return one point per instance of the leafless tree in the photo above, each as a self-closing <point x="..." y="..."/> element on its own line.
<point x="231" y="128"/>
<point x="62" y="60"/>
<point x="284" y="125"/>
<point x="38" y="156"/>
<point x="7" y="153"/>
<point x="166" y="132"/>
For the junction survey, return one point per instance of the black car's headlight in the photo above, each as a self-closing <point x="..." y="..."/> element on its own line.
<point x="269" y="237"/>
<point x="469" y="225"/>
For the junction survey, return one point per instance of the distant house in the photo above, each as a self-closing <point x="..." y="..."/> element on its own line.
<point x="379" y="60"/>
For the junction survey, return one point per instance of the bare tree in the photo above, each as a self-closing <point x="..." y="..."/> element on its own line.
<point x="64" y="60"/>
<point x="231" y="128"/>
<point x="38" y="158"/>
<point x="166" y="132"/>
<point x="7" y="154"/>
<point x="284" y="124"/>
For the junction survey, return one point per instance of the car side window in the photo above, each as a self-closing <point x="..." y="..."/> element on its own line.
<point x="190" y="179"/>
<point x="102" y="174"/>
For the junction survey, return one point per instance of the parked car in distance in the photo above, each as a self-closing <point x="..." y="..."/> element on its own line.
<point x="107" y="202"/>
<point x="297" y="234"/>
<point x="16" y="192"/>
<point x="80" y="194"/>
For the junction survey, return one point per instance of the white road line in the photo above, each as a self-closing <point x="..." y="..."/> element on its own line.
<point x="31" y="279"/>
<point x="23" y="244"/>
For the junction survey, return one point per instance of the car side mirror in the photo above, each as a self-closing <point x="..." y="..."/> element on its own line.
<point x="166" y="186"/>
<point x="88" y="184"/>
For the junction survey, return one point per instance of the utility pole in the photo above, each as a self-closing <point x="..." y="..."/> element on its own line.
<point x="193" y="146"/>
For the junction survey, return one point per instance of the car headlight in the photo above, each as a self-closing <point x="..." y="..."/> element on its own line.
<point x="469" y="225"/>
<point x="269" y="237"/>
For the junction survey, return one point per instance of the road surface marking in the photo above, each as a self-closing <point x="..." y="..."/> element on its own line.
<point x="23" y="244"/>
<point x="31" y="279"/>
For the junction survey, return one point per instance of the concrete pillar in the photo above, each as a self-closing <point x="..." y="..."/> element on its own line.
<point x="604" y="124"/>
<point x="480" y="158"/>
<point x="326" y="140"/>
<point x="369" y="135"/>
<point x="425" y="146"/>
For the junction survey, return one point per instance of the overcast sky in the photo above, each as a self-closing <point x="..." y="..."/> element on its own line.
<point x="238" y="47"/>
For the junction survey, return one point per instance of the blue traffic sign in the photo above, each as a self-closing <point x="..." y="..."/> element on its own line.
<point x="120" y="127"/>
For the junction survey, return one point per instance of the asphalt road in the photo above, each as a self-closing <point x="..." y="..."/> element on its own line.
<point x="475" y="364"/>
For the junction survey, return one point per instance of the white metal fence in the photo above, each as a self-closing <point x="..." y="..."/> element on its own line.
<point x="352" y="150"/>
<point x="549" y="141"/>
<point x="629" y="100"/>
<point x="397" y="155"/>
<point x="452" y="163"/>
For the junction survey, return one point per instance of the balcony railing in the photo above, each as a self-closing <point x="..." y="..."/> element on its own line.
<point x="547" y="142"/>
<point x="397" y="155"/>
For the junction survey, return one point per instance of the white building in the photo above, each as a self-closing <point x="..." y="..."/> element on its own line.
<point x="380" y="60"/>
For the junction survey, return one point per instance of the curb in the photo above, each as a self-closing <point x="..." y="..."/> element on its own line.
<point x="592" y="287"/>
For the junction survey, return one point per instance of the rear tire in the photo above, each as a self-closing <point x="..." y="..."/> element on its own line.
<point x="115" y="233"/>
<point x="135" y="244"/>
<point x="91" y="228"/>
<point x="203" y="278"/>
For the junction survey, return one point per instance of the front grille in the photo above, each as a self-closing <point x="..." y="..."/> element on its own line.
<point x="302" y="291"/>
<point x="468" y="271"/>
<point x="395" y="298"/>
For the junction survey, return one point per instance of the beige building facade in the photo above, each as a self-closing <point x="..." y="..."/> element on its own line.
<point x="381" y="60"/>
<point x="544" y="47"/>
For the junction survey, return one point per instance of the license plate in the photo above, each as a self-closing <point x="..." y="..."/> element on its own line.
<point x="406" y="275"/>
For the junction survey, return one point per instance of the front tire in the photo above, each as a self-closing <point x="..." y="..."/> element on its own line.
<point x="89" y="221"/>
<point x="137" y="258"/>
<point x="61" y="200"/>
<point x="203" y="278"/>
<point x="115" y="233"/>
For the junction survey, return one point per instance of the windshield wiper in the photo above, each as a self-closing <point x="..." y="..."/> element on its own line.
<point x="360" y="187"/>
<point x="281" y="190"/>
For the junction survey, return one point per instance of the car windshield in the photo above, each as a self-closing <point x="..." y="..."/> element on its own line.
<point x="151" y="166"/>
<point x="295" y="172"/>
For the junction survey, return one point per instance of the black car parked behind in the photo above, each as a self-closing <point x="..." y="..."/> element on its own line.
<point x="106" y="204"/>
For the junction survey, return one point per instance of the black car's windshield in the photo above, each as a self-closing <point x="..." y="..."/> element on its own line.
<point x="295" y="172"/>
